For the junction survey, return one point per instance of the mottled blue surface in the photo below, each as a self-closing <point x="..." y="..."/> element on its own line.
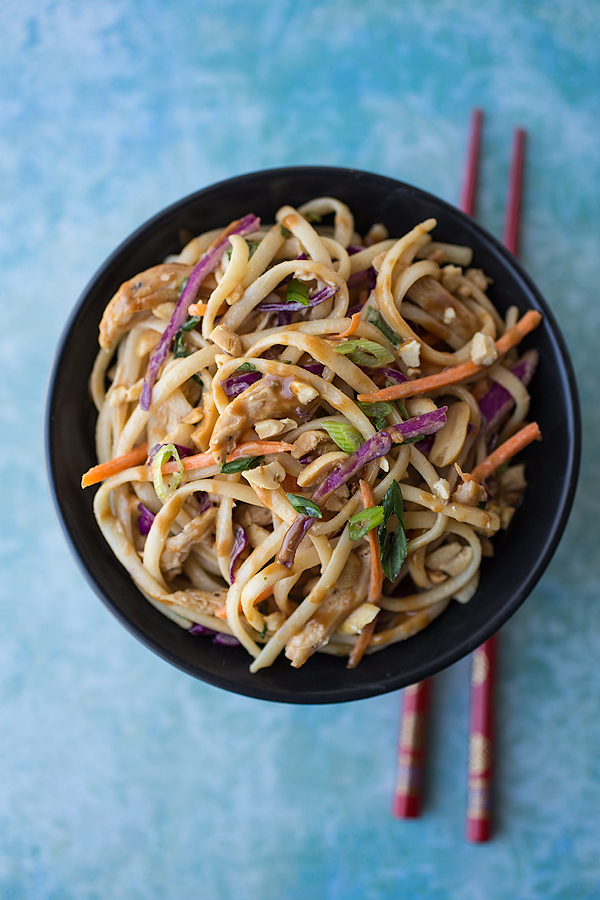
<point x="121" y="777"/>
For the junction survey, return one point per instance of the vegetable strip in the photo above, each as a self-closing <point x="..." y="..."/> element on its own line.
<point x="509" y="339"/>
<point x="506" y="451"/>
<point x="114" y="466"/>
<point x="375" y="582"/>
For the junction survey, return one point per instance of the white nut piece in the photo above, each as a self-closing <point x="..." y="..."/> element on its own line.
<point x="147" y="343"/>
<point x="304" y="392"/>
<point x="227" y="340"/>
<point x="449" y="314"/>
<point x="483" y="349"/>
<point x="268" y="428"/>
<point x="441" y="489"/>
<point x="418" y="406"/>
<point x="410" y="353"/>
<point x="357" y="620"/>
<point x="268" y="477"/>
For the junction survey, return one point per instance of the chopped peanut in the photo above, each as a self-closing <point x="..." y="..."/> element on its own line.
<point x="268" y="477"/>
<point x="410" y="353"/>
<point x="357" y="620"/>
<point x="227" y="340"/>
<point x="483" y="349"/>
<point x="304" y="392"/>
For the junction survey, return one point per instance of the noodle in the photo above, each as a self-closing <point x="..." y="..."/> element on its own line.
<point x="262" y="537"/>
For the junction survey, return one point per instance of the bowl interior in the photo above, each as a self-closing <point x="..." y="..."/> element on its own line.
<point x="521" y="554"/>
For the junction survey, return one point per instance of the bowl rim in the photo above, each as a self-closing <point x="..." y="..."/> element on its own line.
<point x="452" y="653"/>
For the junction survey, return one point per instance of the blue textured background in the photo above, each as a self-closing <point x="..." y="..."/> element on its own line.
<point x="121" y="777"/>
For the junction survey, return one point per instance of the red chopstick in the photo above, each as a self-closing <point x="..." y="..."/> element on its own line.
<point x="468" y="192"/>
<point x="410" y="769"/>
<point x="481" y="724"/>
<point x="479" y="803"/>
<point x="408" y="794"/>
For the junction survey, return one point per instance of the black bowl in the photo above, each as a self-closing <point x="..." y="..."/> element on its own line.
<point x="521" y="554"/>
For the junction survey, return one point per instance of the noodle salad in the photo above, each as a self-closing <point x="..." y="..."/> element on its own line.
<point x="305" y="436"/>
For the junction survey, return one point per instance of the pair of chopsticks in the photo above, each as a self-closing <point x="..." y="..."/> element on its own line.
<point x="416" y="698"/>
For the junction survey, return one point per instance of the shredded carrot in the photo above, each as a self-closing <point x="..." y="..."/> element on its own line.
<point x="376" y="579"/>
<point x="204" y="460"/>
<point x="264" y="594"/>
<point x="355" y="321"/>
<point x="221" y="612"/>
<point x="258" y="448"/>
<point x="375" y="582"/>
<point x="506" y="451"/>
<point x="189" y="463"/>
<point x="362" y="642"/>
<point x="114" y="466"/>
<point x="197" y="309"/>
<point x="509" y="339"/>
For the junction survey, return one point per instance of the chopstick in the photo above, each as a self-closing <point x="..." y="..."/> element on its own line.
<point x="416" y="699"/>
<point x="483" y="667"/>
<point x="410" y="769"/>
<point x="410" y="763"/>
<point x="468" y="194"/>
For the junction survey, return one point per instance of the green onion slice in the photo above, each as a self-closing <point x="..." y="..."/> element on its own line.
<point x="393" y="546"/>
<point x="297" y="292"/>
<point x="346" y="437"/>
<point x="376" y="319"/>
<point x="304" y="506"/>
<point x="364" y="521"/>
<point x="241" y="465"/>
<point x="162" y="455"/>
<point x="365" y="353"/>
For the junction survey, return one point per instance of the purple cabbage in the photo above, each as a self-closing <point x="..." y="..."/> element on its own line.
<point x="145" y="520"/>
<point x="293" y="538"/>
<point x="183" y="451"/>
<point x="200" y="629"/>
<point x="239" y="545"/>
<point x="225" y="640"/>
<point x="426" y="444"/>
<point x="238" y="383"/>
<point x="281" y="306"/>
<point x="284" y="317"/>
<point x="392" y="374"/>
<point x="497" y="403"/>
<point x="314" y="368"/>
<point x="204" y="500"/>
<point x="206" y="264"/>
<point x="428" y="423"/>
<point x="354" y="309"/>
<point x="218" y="637"/>
<point x="369" y="275"/>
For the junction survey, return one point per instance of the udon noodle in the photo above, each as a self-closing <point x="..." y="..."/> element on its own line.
<point x="305" y="436"/>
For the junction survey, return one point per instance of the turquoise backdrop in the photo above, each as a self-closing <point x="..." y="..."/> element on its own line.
<point x="121" y="777"/>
